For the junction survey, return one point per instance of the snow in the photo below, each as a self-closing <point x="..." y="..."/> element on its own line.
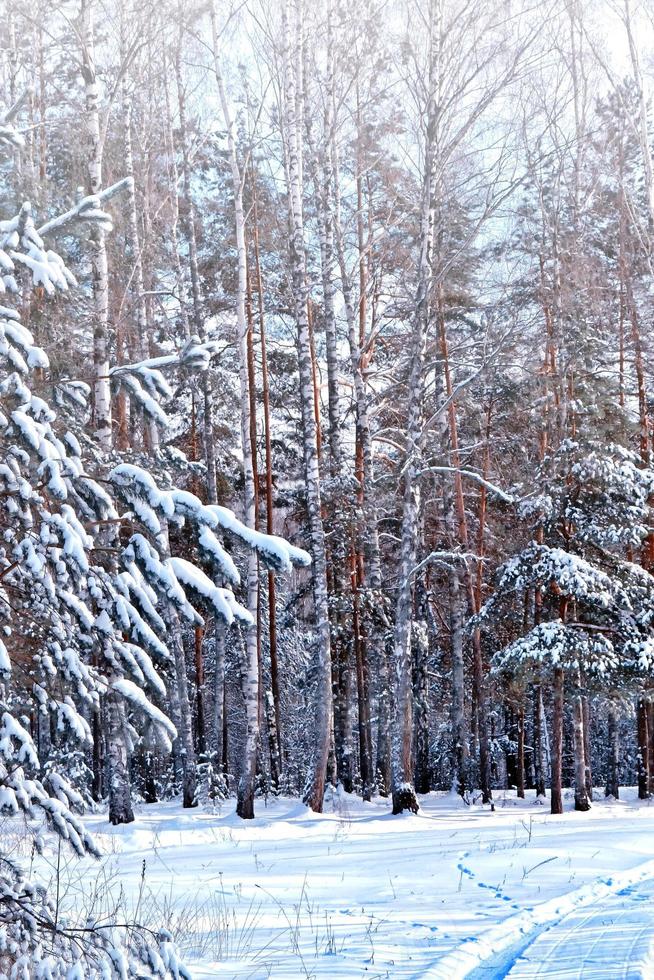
<point x="11" y="731"/>
<point x="136" y="697"/>
<point x="274" y="550"/>
<point x="628" y="940"/>
<point x="452" y="891"/>
<point x="560" y="645"/>
<point x="5" y="663"/>
<point x="222" y="600"/>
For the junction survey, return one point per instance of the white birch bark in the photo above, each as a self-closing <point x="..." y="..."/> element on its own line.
<point x="173" y="181"/>
<point x="183" y="746"/>
<point x="196" y="291"/>
<point x="151" y="434"/>
<point x="120" y="803"/>
<point x="315" y="787"/>
<point x="101" y="386"/>
<point x="219" y="695"/>
<point x="403" y="793"/>
<point x="336" y="504"/>
<point x="643" y="131"/>
<point x="250" y="673"/>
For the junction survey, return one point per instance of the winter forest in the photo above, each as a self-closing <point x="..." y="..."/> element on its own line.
<point x="326" y="483"/>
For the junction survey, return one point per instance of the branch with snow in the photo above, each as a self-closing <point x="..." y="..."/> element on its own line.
<point x="476" y="477"/>
<point x="87" y="211"/>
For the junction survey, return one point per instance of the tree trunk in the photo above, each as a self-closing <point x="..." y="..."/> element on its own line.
<point x="384" y="712"/>
<point x="196" y="290"/>
<point x="373" y="646"/>
<point x="120" y="803"/>
<point x="100" y="274"/>
<point x="557" y="741"/>
<point x="276" y="754"/>
<point x="199" y="691"/>
<point x="363" y="696"/>
<point x="246" y="786"/>
<point x="315" y="788"/>
<point x="140" y="348"/>
<point x="404" y="797"/>
<point x="422" y="776"/>
<point x="613" y="756"/>
<point x="520" y="782"/>
<point x="181" y="708"/>
<point x="582" y="801"/>
<point x="219" y="695"/>
<point x="459" y="728"/>
<point x="98" y="782"/>
<point x="587" y="746"/>
<point x="539" y="747"/>
<point x="479" y="684"/>
<point x="643" y="750"/>
<point x="650" y="736"/>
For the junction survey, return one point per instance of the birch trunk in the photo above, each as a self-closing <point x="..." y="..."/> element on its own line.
<point x="173" y="181"/>
<point x="582" y="801"/>
<point x="557" y="742"/>
<point x="151" y="432"/>
<point x="540" y="747"/>
<point x="246" y="785"/>
<point x="98" y="249"/>
<point x="276" y="754"/>
<point x="183" y="746"/>
<point x="421" y="691"/>
<point x="373" y="650"/>
<point x="363" y="688"/>
<point x="643" y="132"/>
<point x="314" y="791"/>
<point x="336" y="501"/>
<point x="403" y="792"/>
<point x="196" y="290"/>
<point x="120" y="803"/>
<point x="219" y="696"/>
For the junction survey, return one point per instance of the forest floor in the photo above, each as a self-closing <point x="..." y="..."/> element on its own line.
<point x="354" y="892"/>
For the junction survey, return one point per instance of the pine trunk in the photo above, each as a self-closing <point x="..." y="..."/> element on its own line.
<point x="643" y="750"/>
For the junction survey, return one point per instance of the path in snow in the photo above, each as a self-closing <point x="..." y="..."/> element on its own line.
<point x="613" y="940"/>
<point x="610" y="939"/>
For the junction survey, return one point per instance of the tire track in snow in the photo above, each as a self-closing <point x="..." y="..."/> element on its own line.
<point x="497" y="950"/>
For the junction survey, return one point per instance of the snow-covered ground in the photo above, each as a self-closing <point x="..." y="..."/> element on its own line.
<point x="451" y="892"/>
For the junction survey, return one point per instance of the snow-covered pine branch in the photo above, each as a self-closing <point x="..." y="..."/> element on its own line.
<point x="59" y="608"/>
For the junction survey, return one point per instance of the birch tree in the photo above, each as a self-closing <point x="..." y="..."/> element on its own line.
<point x="292" y="73"/>
<point x="245" y="804"/>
